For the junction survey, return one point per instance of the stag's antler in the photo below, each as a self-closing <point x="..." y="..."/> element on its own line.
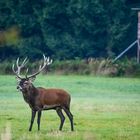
<point x="47" y="61"/>
<point x="19" y="67"/>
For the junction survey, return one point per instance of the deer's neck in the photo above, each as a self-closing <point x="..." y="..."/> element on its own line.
<point x="30" y="95"/>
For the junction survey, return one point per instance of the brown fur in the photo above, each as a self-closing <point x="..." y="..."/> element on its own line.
<point x="40" y="99"/>
<point x="54" y="96"/>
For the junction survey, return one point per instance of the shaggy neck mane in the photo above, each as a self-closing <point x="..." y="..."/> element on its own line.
<point x="30" y="94"/>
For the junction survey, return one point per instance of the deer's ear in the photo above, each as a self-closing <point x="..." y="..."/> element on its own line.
<point x="32" y="79"/>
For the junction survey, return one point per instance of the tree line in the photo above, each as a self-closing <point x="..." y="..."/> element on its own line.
<point x="66" y="29"/>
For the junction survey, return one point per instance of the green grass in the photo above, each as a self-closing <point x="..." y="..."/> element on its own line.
<point x="103" y="109"/>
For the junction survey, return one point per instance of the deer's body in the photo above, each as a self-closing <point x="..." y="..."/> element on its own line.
<point x="54" y="98"/>
<point x="40" y="99"/>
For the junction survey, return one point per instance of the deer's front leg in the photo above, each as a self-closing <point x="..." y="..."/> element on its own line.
<point x="32" y="119"/>
<point x="38" y="119"/>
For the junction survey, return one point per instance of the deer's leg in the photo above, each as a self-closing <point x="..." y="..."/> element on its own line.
<point x="38" y="119"/>
<point x="32" y="119"/>
<point x="69" y="114"/>
<point x="62" y="117"/>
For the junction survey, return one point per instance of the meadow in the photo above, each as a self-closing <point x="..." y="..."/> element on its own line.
<point x="103" y="109"/>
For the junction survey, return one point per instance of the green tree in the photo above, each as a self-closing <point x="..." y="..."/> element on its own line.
<point x="66" y="29"/>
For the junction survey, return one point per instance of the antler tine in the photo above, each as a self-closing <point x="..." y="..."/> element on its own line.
<point x="49" y="61"/>
<point x="13" y="68"/>
<point x="24" y="62"/>
<point x="44" y="57"/>
<point x="40" y="67"/>
<point x="26" y="73"/>
<point x="17" y="62"/>
<point x="46" y="61"/>
<point x="19" y="67"/>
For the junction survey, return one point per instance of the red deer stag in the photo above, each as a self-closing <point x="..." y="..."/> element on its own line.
<point x="39" y="98"/>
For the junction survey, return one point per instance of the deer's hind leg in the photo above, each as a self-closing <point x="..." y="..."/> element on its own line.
<point x="70" y="116"/>
<point x="61" y="116"/>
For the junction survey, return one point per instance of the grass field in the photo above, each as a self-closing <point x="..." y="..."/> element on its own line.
<point x="103" y="109"/>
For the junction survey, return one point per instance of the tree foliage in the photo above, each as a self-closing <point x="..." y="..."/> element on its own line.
<point x="65" y="29"/>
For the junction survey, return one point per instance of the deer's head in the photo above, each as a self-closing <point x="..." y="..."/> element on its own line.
<point x="24" y="84"/>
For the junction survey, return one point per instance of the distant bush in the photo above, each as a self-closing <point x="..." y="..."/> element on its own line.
<point x="128" y="68"/>
<point x="98" y="67"/>
<point x="70" y="67"/>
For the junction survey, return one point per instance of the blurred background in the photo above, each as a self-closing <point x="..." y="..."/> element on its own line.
<point x="69" y="31"/>
<point x="83" y="37"/>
